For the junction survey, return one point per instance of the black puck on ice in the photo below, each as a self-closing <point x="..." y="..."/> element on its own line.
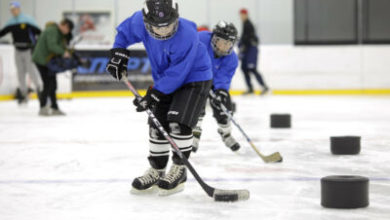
<point x="234" y="107"/>
<point x="226" y="197"/>
<point x="346" y="145"/>
<point x="280" y="121"/>
<point x="344" y="192"/>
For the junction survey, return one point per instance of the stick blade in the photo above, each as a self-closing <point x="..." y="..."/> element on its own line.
<point x="230" y="195"/>
<point x="273" y="158"/>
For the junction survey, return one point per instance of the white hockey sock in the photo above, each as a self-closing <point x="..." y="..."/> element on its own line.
<point x="184" y="142"/>
<point x="159" y="148"/>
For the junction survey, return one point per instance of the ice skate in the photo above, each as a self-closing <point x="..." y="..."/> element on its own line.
<point x="197" y="133"/>
<point x="174" y="181"/>
<point x="23" y="101"/>
<point x="229" y="141"/>
<point x="45" y="111"/>
<point x="147" y="183"/>
<point x="195" y="145"/>
<point x="264" y="91"/>
<point x="249" y="92"/>
<point x="57" y="112"/>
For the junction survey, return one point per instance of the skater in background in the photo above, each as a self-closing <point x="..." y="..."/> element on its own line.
<point x="224" y="61"/>
<point x="182" y="81"/>
<point x="52" y="42"/>
<point x="249" y="53"/>
<point x="24" y="32"/>
<point x="203" y="28"/>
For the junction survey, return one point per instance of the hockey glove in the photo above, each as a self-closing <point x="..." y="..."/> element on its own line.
<point x="222" y="97"/>
<point x="151" y="98"/>
<point x="119" y="59"/>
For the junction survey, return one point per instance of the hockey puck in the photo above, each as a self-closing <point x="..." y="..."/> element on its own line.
<point x="280" y="121"/>
<point x="226" y="197"/>
<point x="234" y="107"/>
<point x="230" y="195"/>
<point x="344" y="192"/>
<point x="347" y="145"/>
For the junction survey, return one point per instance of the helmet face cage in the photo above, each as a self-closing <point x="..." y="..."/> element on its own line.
<point x="161" y="14"/>
<point x="218" y="52"/>
<point x="156" y="36"/>
<point x="223" y="31"/>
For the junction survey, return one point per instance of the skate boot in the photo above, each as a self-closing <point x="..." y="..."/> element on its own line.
<point x="146" y="183"/>
<point x="265" y="90"/>
<point x="174" y="181"/>
<point x="23" y="101"/>
<point x="249" y="92"/>
<point x="44" y="111"/>
<point x="197" y="133"/>
<point x="57" y="112"/>
<point x="229" y="141"/>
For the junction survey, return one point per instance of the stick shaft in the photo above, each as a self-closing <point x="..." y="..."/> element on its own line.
<point x="224" y="109"/>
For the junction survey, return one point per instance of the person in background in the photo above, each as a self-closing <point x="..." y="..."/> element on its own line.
<point x="203" y="28"/>
<point x="24" y="33"/>
<point x="52" y="42"/>
<point x="249" y="53"/>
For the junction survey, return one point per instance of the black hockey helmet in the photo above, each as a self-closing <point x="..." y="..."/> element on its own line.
<point x="161" y="18"/>
<point x="227" y="32"/>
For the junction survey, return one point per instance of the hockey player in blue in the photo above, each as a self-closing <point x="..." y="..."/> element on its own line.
<point x="224" y="60"/>
<point x="182" y="80"/>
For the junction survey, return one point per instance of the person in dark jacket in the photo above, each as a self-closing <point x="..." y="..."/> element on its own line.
<point x="24" y="32"/>
<point x="52" y="42"/>
<point x="249" y="53"/>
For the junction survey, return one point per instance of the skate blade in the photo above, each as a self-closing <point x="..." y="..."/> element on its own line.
<point x="151" y="190"/>
<point x="23" y="104"/>
<point x="177" y="189"/>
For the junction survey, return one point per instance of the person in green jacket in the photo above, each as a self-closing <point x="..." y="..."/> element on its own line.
<point x="52" y="42"/>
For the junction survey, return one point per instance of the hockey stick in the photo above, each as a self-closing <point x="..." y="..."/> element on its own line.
<point x="273" y="158"/>
<point x="217" y="194"/>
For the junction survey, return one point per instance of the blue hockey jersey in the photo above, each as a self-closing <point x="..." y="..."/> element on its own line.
<point x="223" y="67"/>
<point x="176" y="61"/>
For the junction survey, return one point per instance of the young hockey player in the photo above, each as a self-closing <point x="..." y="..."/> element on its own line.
<point x="182" y="80"/>
<point x="224" y="61"/>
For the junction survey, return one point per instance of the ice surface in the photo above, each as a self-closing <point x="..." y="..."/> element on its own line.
<point x="81" y="166"/>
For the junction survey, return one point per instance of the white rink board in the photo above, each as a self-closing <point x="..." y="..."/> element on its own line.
<point x="326" y="67"/>
<point x="81" y="166"/>
<point x="284" y="67"/>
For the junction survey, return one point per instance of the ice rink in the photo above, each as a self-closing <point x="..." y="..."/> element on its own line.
<point x="81" y="166"/>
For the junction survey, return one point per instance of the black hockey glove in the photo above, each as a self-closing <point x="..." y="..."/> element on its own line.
<point x="151" y="98"/>
<point x="222" y="97"/>
<point x="119" y="59"/>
